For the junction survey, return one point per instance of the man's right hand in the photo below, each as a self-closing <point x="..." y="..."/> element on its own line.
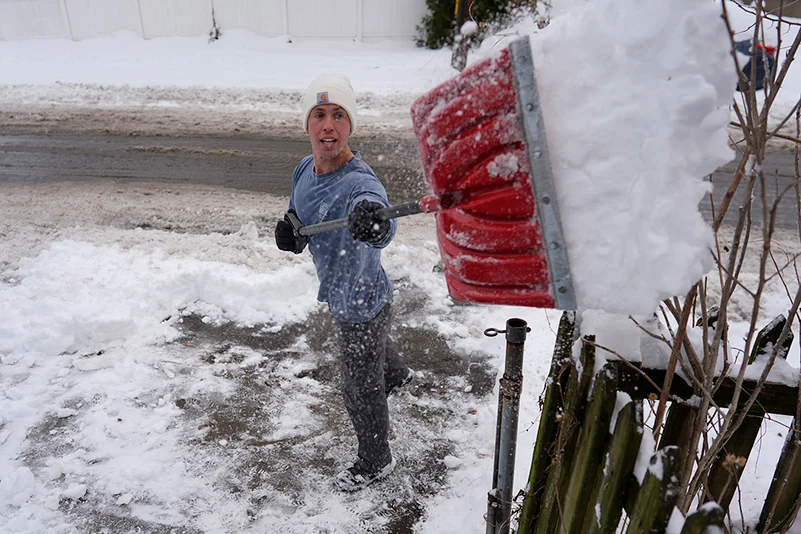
<point x="285" y="238"/>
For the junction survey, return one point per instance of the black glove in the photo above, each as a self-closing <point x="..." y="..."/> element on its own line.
<point x="364" y="224"/>
<point x="285" y="238"/>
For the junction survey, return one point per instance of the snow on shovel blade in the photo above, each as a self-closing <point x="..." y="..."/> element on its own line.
<point x="504" y="245"/>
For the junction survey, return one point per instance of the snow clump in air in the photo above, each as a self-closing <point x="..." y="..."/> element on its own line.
<point x="633" y="127"/>
<point x="635" y="99"/>
<point x="469" y="28"/>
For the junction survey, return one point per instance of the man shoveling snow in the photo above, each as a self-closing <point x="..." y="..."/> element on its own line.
<point x="335" y="182"/>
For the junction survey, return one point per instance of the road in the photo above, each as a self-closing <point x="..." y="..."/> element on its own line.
<point x="249" y="164"/>
<point x="265" y="165"/>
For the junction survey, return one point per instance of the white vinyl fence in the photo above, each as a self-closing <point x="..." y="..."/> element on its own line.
<point x="361" y="20"/>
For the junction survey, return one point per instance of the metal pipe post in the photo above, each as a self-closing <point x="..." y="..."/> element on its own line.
<point x="492" y="510"/>
<point x="461" y="43"/>
<point x="499" y="505"/>
<point x="511" y="385"/>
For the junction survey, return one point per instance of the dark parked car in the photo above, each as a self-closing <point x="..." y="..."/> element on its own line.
<point x="764" y="59"/>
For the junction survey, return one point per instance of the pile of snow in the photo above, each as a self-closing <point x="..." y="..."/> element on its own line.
<point x="633" y="126"/>
<point x="132" y="296"/>
<point x="635" y="100"/>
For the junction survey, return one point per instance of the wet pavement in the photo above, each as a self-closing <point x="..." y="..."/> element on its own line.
<point x="436" y="395"/>
<point x="259" y="165"/>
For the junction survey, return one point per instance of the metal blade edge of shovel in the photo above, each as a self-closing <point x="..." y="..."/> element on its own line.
<point x="542" y="179"/>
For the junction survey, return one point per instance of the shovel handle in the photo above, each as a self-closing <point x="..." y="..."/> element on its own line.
<point x="385" y="214"/>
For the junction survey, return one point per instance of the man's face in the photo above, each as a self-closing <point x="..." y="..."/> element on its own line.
<point x="329" y="128"/>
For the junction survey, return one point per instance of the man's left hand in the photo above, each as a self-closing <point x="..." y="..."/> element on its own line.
<point x="285" y="237"/>
<point x="364" y="223"/>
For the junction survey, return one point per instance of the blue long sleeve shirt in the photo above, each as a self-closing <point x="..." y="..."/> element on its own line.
<point x="352" y="280"/>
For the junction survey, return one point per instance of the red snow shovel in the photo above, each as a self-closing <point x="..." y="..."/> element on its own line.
<point x="482" y="142"/>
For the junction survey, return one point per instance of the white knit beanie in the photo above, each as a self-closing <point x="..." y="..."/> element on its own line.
<point x="330" y="89"/>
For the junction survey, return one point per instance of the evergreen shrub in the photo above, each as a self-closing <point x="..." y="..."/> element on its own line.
<point x="438" y="27"/>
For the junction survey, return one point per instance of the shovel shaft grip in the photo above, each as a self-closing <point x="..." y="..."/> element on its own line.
<point x="392" y="212"/>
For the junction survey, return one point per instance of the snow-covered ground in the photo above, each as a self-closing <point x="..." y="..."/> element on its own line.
<point x="165" y="368"/>
<point x="241" y="81"/>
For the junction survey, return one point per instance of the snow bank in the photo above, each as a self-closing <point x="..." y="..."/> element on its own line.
<point x="81" y="297"/>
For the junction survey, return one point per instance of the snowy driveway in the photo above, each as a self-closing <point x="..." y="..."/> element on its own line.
<point x="166" y="369"/>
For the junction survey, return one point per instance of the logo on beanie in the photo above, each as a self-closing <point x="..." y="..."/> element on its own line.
<point x="322" y="98"/>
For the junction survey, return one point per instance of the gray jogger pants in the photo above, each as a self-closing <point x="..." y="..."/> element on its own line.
<point x="368" y="357"/>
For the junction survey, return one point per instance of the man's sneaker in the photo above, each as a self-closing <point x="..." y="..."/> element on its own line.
<point x="399" y="381"/>
<point x="357" y="477"/>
